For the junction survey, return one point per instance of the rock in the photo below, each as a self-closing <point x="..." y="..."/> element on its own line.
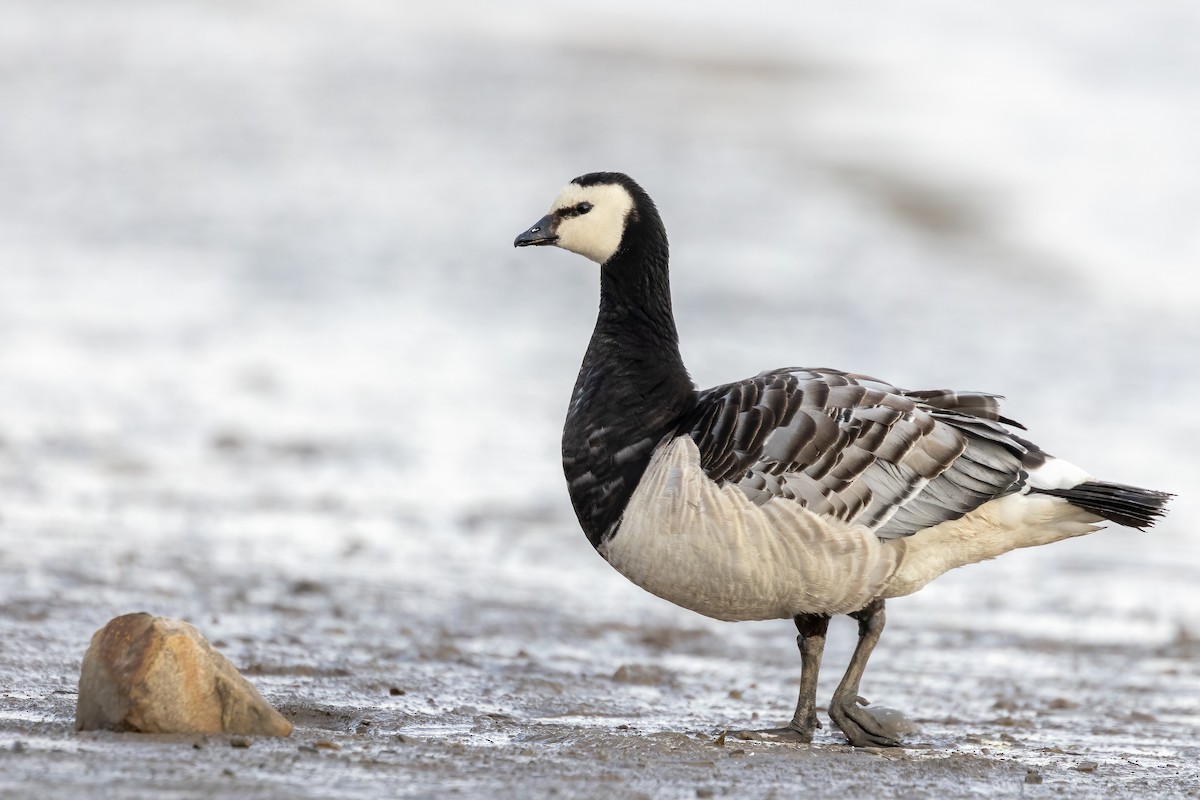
<point x="151" y="674"/>
<point x="895" y="723"/>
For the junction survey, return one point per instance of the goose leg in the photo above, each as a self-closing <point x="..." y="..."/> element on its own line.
<point x="811" y="640"/>
<point x="855" y="721"/>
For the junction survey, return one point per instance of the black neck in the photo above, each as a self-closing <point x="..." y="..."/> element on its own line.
<point x="632" y="387"/>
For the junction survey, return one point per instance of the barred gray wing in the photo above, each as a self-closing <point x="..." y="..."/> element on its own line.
<point x="859" y="449"/>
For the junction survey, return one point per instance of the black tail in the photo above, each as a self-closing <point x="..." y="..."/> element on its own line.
<point x="1124" y="505"/>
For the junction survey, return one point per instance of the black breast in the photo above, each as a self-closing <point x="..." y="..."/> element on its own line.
<point x="613" y="428"/>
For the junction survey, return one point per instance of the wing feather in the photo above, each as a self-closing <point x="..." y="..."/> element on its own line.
<point x="859" y="449"/>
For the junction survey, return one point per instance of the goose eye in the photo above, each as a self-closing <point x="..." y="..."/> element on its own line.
<point x="583" y="208"/>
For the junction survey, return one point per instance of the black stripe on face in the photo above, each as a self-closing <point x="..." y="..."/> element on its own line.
<point x="577" y="210"/>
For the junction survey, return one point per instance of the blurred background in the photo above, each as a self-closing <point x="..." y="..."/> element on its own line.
<point x="269" y="362"/>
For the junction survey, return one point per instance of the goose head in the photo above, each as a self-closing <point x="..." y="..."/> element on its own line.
<point x="590" y="216"/>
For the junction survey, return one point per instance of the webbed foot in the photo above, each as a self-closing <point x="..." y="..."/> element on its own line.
<point x="796" y="734"/>
<point x="859" y="724"/>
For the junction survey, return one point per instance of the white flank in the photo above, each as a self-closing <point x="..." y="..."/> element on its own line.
<point x="993" y="529"/>
<point x="708" y="548"/>
<point x="596" y="234"/>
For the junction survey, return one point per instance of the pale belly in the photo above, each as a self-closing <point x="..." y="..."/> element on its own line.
<point x="709" y="549"/>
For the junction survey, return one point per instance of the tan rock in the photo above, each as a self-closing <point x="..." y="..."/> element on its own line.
<point x="158" y="675"/>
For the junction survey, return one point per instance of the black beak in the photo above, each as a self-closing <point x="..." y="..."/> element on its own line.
<point x="541" y="233"/>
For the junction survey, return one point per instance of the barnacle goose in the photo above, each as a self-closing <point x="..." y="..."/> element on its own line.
<point x="798" y="493"/>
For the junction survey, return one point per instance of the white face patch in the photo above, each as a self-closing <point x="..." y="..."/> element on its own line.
<point x="596" y="234"/>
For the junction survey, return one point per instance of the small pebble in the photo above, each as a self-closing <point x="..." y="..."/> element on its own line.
<point x="396" y="691"/>
<point x="894" y="722"/>
<point x="1086" y="766"/>
<point x="704" y="791"/>
<point x="327" y="745"/>
<point x="239" y="741"/>
<point x="19" y="747"/>
<point x="1033" y="776"/>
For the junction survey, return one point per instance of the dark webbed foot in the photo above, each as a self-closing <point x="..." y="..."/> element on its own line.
<point x="794" y="735"/>
<point x="846" y="709"/>
<point x="859" y="725"/>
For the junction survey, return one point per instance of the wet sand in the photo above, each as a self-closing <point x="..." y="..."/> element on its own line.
<point x="508" y="682"/>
